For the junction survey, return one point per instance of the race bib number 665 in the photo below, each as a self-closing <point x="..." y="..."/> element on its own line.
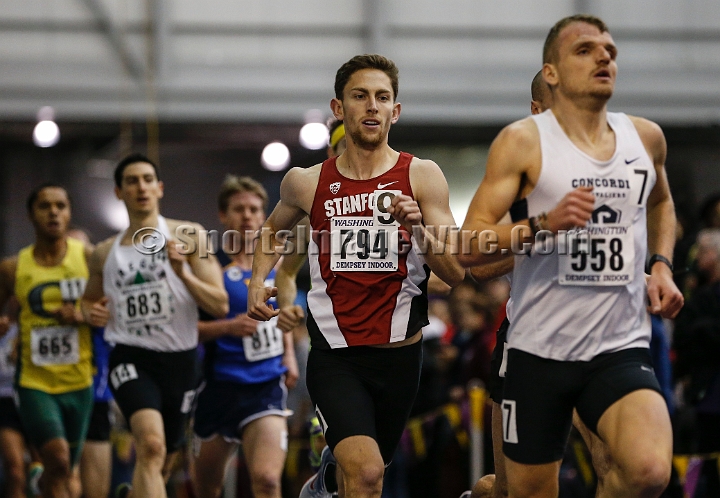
<point x="54" y="346"/>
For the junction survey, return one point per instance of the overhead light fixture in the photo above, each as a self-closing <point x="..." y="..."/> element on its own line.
<point x="275" y="156"/>
<point x="314" y="134"/>
<point x="46" y="132"/>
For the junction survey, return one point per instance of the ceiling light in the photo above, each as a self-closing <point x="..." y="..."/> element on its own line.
<point x="275" y="156"/>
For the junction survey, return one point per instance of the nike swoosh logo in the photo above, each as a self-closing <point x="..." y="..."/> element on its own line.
<point x="631" y="160"/>
<point x="383" y="185"/>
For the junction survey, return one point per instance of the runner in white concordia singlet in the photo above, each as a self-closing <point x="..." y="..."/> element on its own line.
<point x="580" y="328"/>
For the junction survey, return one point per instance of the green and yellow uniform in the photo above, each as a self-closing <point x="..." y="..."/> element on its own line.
<point x="54" y="372"/>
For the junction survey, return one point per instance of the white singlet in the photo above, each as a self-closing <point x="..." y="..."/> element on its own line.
<point x="576" y="305"/>
<point x="150" y="307"/>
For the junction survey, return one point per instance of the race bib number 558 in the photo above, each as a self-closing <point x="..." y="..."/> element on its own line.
<point x="600" y="256"/>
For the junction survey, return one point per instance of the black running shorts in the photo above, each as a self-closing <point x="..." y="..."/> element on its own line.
<point x="540" y="395"/>
<point x="364" y="391"/>
<point x="99" y="429"/>
<point x="9" y="417"/>
<point x="497" y="377"/>
<point x="164" y="381"/>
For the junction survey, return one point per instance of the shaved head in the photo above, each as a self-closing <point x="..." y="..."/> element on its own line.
<point x="539" y="90"/>
<point x="541" y="95"/>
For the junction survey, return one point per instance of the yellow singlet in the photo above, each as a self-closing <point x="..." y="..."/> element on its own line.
<point x="54" y="358"/>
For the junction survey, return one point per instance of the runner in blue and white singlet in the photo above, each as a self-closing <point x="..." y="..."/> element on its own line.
<point x="248" y="364"/>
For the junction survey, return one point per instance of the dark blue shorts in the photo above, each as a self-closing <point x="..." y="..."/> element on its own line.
<point x="225" y="408"/>
<point x="9" y="416"/>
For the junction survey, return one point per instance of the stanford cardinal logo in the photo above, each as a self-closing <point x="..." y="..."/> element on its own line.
<point x="335" y="187"/>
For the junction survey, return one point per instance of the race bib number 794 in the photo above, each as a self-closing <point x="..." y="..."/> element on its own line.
<point x="366" y="243"/>
<point x="358" y="245"/>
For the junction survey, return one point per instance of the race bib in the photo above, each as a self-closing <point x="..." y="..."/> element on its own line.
<point x="145" y="307"/>
<point x="366" y="243"/>
<point x="58" y="345"/>
<point x="72" y="289"/>
<point x="123" y="373"/>
<point x="602" y="255"/>
<point x="266" y="342"/>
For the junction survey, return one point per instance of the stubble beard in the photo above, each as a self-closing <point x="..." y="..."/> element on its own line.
<point x="603" y="94"/>
<point x="366" y="143"/>
<point x="598" y="96"/>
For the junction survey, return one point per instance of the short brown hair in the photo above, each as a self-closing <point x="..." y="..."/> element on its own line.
<point x="236" y="184"/>
<point x="367" y="61"/>
<point x="550" y="49"/>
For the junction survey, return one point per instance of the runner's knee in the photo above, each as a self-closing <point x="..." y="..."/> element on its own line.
<point x="648" y="476"/>
<point x="15" y="472"/>
<point x="56" y="461"/>
<point x="363" y="475"/>
<point x="151" y="448"/>
<point x="266" y="482"/>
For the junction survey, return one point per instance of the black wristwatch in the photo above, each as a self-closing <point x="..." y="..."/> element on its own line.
<point x="658" y="258"/>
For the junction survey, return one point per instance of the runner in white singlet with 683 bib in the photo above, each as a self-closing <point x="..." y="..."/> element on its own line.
<point x="150" y="295"/>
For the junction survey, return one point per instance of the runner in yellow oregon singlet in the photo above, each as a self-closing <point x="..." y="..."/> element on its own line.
<point x="54" y="371"/>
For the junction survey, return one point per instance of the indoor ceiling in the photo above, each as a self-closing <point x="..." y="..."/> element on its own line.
<point x="461" y="61"/>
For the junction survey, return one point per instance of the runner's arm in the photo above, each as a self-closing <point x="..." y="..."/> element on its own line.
<point x="285" y="216"/>
<point x="290" y="361"/>
<point x="205" y="281"/>
<point x="239" y="326"/>
<point x="286" y="282"/>
<point x="94" y="302"/>
<point x="8" y="267"/>
<point x="497" y="191"/>
<point x="493" y="270"/>
<point x="665" y="298"/>
<point x="432" y="224"/>
<point x="514" y="153"/>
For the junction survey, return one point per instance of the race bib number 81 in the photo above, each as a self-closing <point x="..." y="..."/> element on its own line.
<point x="266" y="342"/>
